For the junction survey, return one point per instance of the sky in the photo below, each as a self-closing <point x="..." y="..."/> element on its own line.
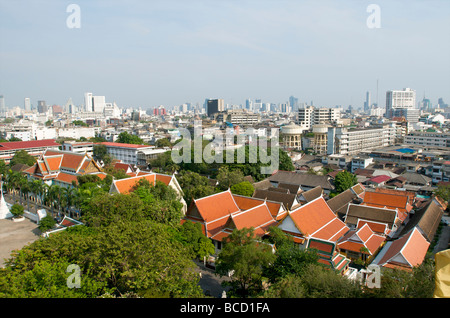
<point x="169" y="52"/>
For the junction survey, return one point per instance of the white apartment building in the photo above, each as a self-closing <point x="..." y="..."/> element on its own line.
<point x="397" y="100"/>
<point x="430" y="139"/>
<point x="310" y="115"/>
<point x="346" y="141"/>
<point x="127" y="153"/>
<point x="78" y="147"/>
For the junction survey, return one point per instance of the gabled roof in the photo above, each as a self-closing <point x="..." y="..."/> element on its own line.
<point x="405" y="252"/>
<point x="363" y="237"/>
<point x="427" y="219"/>
<point x="389" y="201"/>
<point x="216" y="205"/>
<point x="302" y="179"/>
<point x="259" y="218"/>
<point x="310" y="195"/>
<point x="288" y="199"/>
<point x="126" y="185"/>
<point x="315" y="219"/>
<point x="276" y="208"/>
<point x="356" y="213"/>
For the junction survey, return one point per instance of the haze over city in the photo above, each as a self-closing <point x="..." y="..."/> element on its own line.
<point x="150" y="53"/>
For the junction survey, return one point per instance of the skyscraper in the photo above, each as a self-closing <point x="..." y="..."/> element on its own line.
<point x="293" y="102"/>
<point x="2" y="106"/>
<point x="367" y="103"/>
<point x="42" y="106"/>
<point x="88" y="102"/>
<point x="215" y="106"/>
<point x="27" y="104"/>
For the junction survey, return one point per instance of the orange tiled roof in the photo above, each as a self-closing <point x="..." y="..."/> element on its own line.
<point x="66" y="178"/>
<point x="245" y="203"/>
<point x="125" y="185"/>
<point x="364" y="237"/>
<point x="216" y="206"/>
<point x="316" y="219"/>
<point x="411" y="247"/>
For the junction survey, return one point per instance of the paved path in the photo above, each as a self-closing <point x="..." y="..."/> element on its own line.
<point x="210" y="282"/>
<point x="15" y="235"/>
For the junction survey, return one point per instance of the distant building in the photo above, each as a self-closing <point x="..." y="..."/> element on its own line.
<point x="215" y="106"/>
<point x="310" y="115"/>
<point x="27" y="104"/>
<point x="345" y="141"/>
<point x="238" y="117"/>
<point x="399" y="100"/>
<point x="432" y="139"/>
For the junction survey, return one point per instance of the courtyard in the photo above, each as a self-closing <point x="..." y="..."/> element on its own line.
<point x="15" y="235"/>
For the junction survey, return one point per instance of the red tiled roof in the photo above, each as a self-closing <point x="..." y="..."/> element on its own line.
<point x="123" y="145"/>
<point x="379" y="179"/>
<point x="17" y="145"/>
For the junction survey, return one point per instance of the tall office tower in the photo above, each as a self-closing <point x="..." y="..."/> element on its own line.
<point x="399" y="100"/>
<point x="27" y="104"/>
<point x="88" y="102"/>
<point x="257" y="105"/>
<point x="248" y="104"/>
<point x="215" y="106"/>
<point x="42" y="106"/>
<point x="293" y="102"/>
<point x="98" y="104"/>
<point x="367" y="103"/>
<point x="2" y="106"/>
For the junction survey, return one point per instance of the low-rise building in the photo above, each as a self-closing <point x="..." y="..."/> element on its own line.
<point x="33" y="147"/>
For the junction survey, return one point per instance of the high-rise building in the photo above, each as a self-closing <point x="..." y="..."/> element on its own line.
<point x="2" y="106"/>
<point x="404" y="99"/>
<point x="293" y="102"/>
<point x="42" y="106"/>
<point x="367" y="103"/>
<point x="98" y="104"/>
<point x="27" y="104"/>
<point x="214" y="106"/>
<point x="88" y="102"/>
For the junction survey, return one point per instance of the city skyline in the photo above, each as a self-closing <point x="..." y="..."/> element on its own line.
<point x="146" y="54"/>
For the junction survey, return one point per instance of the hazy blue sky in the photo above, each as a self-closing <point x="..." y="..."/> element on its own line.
<point x="150" y="53"/>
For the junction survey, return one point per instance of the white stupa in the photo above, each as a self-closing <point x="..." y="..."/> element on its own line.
<point x="4" y="210"/>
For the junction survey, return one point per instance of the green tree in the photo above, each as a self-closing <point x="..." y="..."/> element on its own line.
<point x="46" y="223"/>
<point x="125" y="137"/>
<point x="245" y="257"/>
<point x="193" y="238"/>
<point x="227" y="178"/>
<point x="101" y="154"/>
<point x="396" y="283"/>
<point x="344" y="180"/>
<point x="194" y="186"/>
<point x="243" y="188"/>
<point x="23" y="157"/>
<point x="17" y="210"/>
<point x="163" y="142"/>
